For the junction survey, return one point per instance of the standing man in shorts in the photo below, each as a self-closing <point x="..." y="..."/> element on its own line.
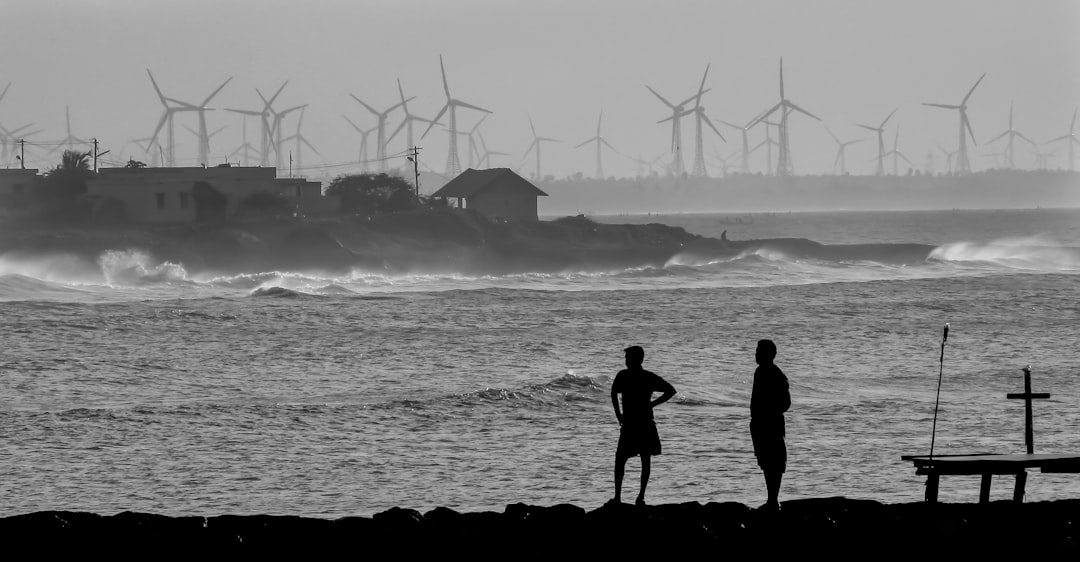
<point x="769" y="400"/>
<point x="638" y="435"/>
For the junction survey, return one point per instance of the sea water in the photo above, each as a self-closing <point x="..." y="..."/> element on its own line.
<point x="134" y="385"/>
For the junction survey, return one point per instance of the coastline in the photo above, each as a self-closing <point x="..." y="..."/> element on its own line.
<point x="836" y="527"/>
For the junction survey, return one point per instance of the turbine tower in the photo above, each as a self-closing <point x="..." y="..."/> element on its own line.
<point x="537" y="141"/>
<point x="841" y="161"/>
<point x="744" y="131"/>
<point x="1071" y="139"/>
<point x="208" y="137"/>
<point x="880" y="130"/>
<point x="963" y="164"/>
<point x="201" y="109"/>
<point x="453" y="165"/>
<point x="677" y="111"/>
<point x="783" y="164"/>
<point x="167" y="121"/>
<point x="380" y="135"/>
<point x="601" y="142"/>
<point x="1010" y="161"/>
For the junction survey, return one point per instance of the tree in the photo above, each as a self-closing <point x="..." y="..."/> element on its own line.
<point x="133" y="163"/>
<point x="373" y="193"/>
<point x="67" y="181"/>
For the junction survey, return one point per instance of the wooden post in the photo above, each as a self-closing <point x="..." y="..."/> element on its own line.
<point x="932" y="481"/>
<point x="984" y="488"/>
<point x="1018" y="491"/>
<point x="1027" y="397"/>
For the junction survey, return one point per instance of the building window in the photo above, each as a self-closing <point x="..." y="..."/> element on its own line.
<point x="160" y="200"/>
<point x="184" y="199"/>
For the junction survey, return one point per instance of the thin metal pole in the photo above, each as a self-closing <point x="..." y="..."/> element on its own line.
<point x="941" y="369"/>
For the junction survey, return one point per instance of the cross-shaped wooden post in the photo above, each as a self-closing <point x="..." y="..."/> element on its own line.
<point x="1027" y="397"/>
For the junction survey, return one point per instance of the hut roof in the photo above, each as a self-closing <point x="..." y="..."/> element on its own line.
<point x="471" y="182"/>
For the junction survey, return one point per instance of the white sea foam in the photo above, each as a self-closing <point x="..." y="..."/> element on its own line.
<point x="1033" y="253"/>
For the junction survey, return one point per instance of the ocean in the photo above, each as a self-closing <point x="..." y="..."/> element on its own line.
<point x="134" y="385"/>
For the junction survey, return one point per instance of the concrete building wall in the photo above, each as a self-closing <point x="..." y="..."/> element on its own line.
<point x="165" y="195"/>
<point x="504" y="204"/>
<point x="18" y="186"/>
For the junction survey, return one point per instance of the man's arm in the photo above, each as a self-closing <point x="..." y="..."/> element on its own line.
<point x="668" y="392"/>
<point x="615" y="404"/>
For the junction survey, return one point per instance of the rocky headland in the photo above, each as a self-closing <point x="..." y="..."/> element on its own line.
<point x="827" y="527"/>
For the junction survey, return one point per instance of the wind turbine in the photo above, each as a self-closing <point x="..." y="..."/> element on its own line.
<point x="700" y="116"/>
<point x="207" y="139"/>
<point x="677" y="112"/>
<point x="537" y="141"/>
<point x="264" y="118"/>
<point x="70" y="140"/>
<point x="841" y="160"/>
<point x="380" y="136"/>
<point x="1042" y="158"/>
<point x="601" y="142"/>
<point x="880" y="130"/>
<point x="1071" y="139"/>
<point x="201" y="109"/>
<point x="407" y="122"/>
<point x="963" y="165"/>
<point x="363" y="157"/>
<point x="948" y="158"/>
<point x="275" y="125"/>
<point x="1012" y="133"/>
<point x="474" y="150"/>
<point x="485" y="158"/>
<point x="453" y="165"/>
<point x="301" y="140"/>
<point x="744" y="131"/>
<point x="783" y="164"/>
<point x="171" y="107"/>
<point x="245" y="149"/>
<point x="896" y="154"/>
<point x="9" y="138"/>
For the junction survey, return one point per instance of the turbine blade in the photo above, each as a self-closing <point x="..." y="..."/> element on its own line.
<point x="587" y="142"/>
<point x="470" y="106"/>
<point x="766" y="114"/>
<point x="868" y="127"/>
<point x="887" y="119"/>
<point x="446" y="86"/>
<point x="276" y="94"/>
<point x="803" y="111"/>
<point x="998" y="137"/>
<point x="942" y="105"/>
<point x="152" y="81"/>
<point x="972" y="90"/>
<point x="711" y="126"/>
<point x="366" y="106"/>
<point x="666" y="102"/>
<point x="437" y="117"/>
<point x="215" y="92"/>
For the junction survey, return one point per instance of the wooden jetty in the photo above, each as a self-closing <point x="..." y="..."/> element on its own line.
<point x="989" y="464"/>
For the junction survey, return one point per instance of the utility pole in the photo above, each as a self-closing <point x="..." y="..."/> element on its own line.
<point x="22" y="154"/>
<point x="96" y="154"/>
<point x="414" y="157"/>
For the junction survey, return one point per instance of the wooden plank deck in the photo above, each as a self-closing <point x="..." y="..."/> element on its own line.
<point x="989" y="465"/>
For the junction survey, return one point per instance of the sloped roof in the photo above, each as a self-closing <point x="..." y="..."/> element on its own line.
<point x="470" y="182"/>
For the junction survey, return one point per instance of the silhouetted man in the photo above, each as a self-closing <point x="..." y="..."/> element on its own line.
<point x="638" y="435"/>
<point x="768" y="402"/>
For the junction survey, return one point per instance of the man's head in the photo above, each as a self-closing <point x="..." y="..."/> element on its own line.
<point x="635" y="355"/>
<point x="766" y="352"/>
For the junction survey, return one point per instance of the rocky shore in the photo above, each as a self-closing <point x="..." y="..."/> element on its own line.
<point x="834" y="527"/>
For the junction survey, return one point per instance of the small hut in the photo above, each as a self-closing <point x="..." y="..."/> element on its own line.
<point x="495" y="193"/>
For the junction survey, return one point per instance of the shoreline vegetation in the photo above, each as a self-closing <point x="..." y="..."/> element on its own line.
<point x="834" y="527"/>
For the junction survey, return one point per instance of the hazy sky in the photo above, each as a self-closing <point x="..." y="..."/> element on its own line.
<point x="560" y="61"/>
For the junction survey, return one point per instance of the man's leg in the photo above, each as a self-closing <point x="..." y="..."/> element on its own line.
<point x="646" y="469"/>
<point x="620" y="469"/>
<point x="772" y="484"/>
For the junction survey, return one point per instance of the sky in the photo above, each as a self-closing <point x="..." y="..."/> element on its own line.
<point x="560" y="62"/>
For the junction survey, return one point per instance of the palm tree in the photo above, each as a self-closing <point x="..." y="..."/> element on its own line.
<point x="75" y="161"/>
